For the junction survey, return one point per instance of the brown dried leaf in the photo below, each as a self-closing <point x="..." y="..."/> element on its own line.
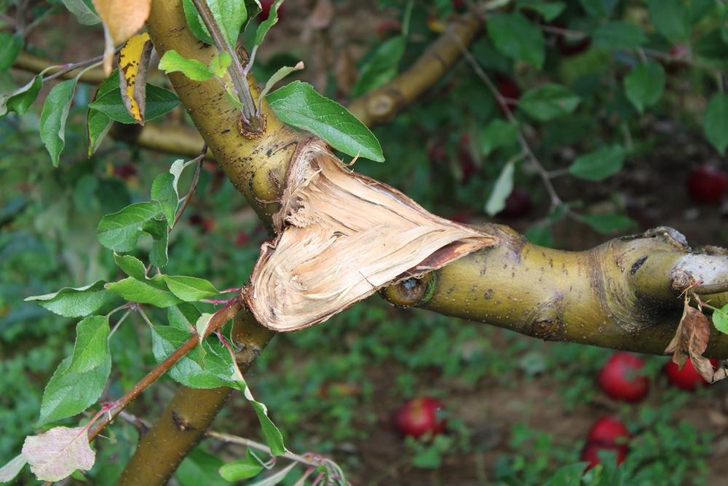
<point x="691" y="340"/>
<point x="122" y="19"/>
<point x="341" y="237"/>
<point x="55" y="454"/>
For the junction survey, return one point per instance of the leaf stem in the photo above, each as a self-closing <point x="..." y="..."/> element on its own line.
<point x="193" y="185"/>
<point x="236" y="71"/>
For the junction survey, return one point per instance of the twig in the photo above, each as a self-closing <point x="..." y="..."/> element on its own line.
<point x="234" y="439"/>
<point x="503" y="103"/>
<point x="220" y="318"/>
<point x="193" y="185"/>
<point x="67" y="68"/>
<point x="236" y="71"/>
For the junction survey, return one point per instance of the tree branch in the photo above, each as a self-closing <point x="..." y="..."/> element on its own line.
<point x="34" y="64"/>
<point x="381" y="105"/>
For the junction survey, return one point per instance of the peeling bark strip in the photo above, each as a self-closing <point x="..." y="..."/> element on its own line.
<point x="341" y="237"/>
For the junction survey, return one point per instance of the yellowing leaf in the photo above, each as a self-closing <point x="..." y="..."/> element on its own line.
<point x="133" y="63"/>
<point x="122" y="19"/>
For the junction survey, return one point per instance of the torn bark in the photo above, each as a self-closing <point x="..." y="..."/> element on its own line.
<point x="341" y="237"/>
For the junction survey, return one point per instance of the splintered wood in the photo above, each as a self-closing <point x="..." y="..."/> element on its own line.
<point x="341" y="237"/>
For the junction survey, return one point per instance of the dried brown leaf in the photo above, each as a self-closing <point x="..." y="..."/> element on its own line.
<point x="341" y="237"/>
<point x="690" y="342"/>
<point x="55" y="454"/>
<point x="122" y="19"/>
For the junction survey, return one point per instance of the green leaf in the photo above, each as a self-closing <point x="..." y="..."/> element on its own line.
<point x="53" y="118"/>
<point x="190" y="289"/>
<point x="10" y="46"/>
<point x="299" y="104"/>
<point x="242" y="469"/>
<point x="540" y="235"/>
<point x="502" y="189"/>
<point x="91" y="347"/>
<point x="599" y="8"/>
<point x="98" y="124"/>
<point x="83" y="11"/>
<point x="120" y="231"/>
<point x="230" y="16"/>
<point x="516" y="37"/>
<point x="273" y="436"/>
<point x="277" y="76"/>
<point x="81" y="378"/>
<point x="609" y="223"/>
<point x="569" y="475"/>
<point x="549" y="10"/>
<point x="172" y="61"/>
<point x="499" y="133"/>
<point x="711" y="46"/>
<point x="74" y="302"/>
<point x="644" y="85"/>
<point x="548" y="102"/>
<point x="143" y="292"/>
<point x="159" y="102"/>
<point x="206" y="366"/>
<point x="715" y="123"/>
<point x="200" y="468"/>
<point x="671" y="19"/>
<point x="164" y="190"/>
<point x="381" y="67"/>
<point x="219" y="64"/>
<point x="68" y="393"/>
<point x="19" y="101"/>
<point x="131" y="266"/>
<point x="157" y="228"/>
<point x="616" y="36"/>
<point x="599" y="165"/>
<point x="275" y="478"/>
<point x="720" y="319"/>
<point x="183" y="316"/>
<point x="265" y="26"/>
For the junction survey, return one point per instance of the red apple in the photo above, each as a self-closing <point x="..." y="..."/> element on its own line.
<point x="509" y="90"/>
<point x="518" y="204"/>
<point x="570" y="45"/>
<point x="609" y="430"/>
<point x="266" y="5"/>
<point x="419" y="417"/>
<point x="620" y="378"/>
<point x="242" y="238"/>
<point x="125" y="171"/>
<point x="205" y="224"/>
<point x="686" y="378"/>
<point x="707" y="184"/>
<point x="590" y="453"/>
<point x="388" y="27"/>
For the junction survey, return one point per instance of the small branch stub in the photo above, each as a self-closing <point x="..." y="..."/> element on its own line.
<point x="341" y="237"/>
